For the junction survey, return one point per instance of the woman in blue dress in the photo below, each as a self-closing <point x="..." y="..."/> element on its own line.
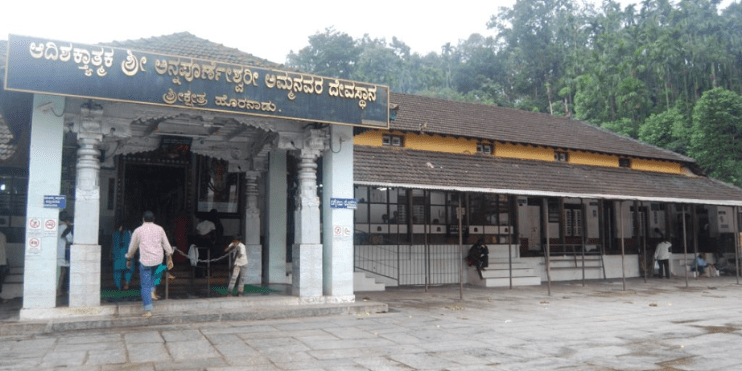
<point x="121" y="239"/>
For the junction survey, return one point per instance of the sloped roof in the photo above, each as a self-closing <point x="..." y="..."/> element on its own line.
<point x="180" y="44"/>
<point x="187" y="45"/>
<point x="407" y="168"/>
<point x="490" y="122"/>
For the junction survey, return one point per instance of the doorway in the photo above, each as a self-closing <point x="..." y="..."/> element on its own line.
<point x="158" y="188"/>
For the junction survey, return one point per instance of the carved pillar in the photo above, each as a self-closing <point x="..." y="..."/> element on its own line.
<point x="252" y="229"/>
<point x="307" y="250"/>
<point x="85" y="257"/>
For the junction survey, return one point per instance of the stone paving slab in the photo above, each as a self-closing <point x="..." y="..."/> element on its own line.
<point x="597" y="328"/>
<point x="171" y="313"/>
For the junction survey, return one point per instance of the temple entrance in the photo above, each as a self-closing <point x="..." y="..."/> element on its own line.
<point x="160" y="189"/>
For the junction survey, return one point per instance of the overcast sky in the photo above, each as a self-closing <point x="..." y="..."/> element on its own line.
<point x="268" y="30"/>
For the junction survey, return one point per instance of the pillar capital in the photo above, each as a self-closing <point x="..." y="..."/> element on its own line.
<point x="252" y="175"/>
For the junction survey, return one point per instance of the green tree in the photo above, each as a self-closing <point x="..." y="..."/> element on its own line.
<point x="666" y="129"/>
<point x="330" y="53"/>
<point x="716" y="139"/>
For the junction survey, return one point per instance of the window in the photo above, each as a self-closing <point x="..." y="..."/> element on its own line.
<point x="624" y="162"/>
<point x="484" y="148"/>
<point x="561" y="156"/>
<point x="13" y="190"/>
<point x="572" y="221"/>
<point x="387" y="216"/>
<point x="391" y="140"/>
<point x="381" y="216"/>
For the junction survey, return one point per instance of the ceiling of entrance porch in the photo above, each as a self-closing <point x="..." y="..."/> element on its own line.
<point x="128" y="128"/>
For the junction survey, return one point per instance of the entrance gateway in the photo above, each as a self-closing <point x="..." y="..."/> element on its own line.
<point x="187" y="134"/>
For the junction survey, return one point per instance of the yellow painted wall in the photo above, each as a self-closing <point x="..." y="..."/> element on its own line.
<point x="523" y="152"/>
<point x="657" y="166"/>
<point x="440" y="144"/>
<point x="592" y="159"/>
<point x="434" y="143"/>
<point x="369" y="138"/>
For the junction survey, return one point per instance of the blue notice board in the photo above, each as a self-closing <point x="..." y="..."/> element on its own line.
<point x="344" y="203"/>
<point x="55" y="202"/>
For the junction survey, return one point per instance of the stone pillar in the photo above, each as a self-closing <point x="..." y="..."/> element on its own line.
<point x="275" y="269"/>
<point x="338" y="223"/>
<point x="252" y="230"/>
<point x="44" y="178"/>
<point x="307" y="249"/>
<point x="85" y="256"/>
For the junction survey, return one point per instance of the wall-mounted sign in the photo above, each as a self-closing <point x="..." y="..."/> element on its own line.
<point x="39" y="65"/>
<point x="55" y="201"/>
<point x="343" y="203"/>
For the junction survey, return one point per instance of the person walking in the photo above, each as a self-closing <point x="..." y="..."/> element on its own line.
<point x="121" y="240"/>
<point x="63" y="254"/>
<point x="150" y="239"/>
<point x="662" y="254"/>
<point x="240" y="266"/>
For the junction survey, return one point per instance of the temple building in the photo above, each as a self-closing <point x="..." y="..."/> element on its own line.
<point x="336" y="186"/>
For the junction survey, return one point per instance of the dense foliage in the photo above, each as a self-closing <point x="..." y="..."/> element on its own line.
<point x="667" y="73"/>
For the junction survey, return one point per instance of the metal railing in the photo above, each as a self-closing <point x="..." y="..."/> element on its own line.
<point x="381" y="260"/>
<point x="578" y="256"/>
<point x="410" y="264"/>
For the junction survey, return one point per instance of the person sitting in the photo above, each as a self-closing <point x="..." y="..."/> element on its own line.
<point x="699" y="264"/>
<point x="478" y="257"/>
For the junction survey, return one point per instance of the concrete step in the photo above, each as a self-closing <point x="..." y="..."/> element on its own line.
<point x="13" y="286"/>
<point x="572" y="259"/>
<point x="362" y="282"/>
<point x="169" y="312"/>
<point x="11" y="290"/>
<point x="501" y="251"/>
<point x="502" y="282"/>
<point x="505" y="265"/>
<point x="576" y="268"/>
<point x="499" y="278"/>
<point x="505" y="272"/>
<point x="14" y="278"/>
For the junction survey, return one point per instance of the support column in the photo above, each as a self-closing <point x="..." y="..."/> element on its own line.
<point x="44" y="178"/>
<point x="275" y="269"/>
<point x="85" y="256"/>
<point x="252" y="230"/>
<point x="338" y="223"/>
<point x="307" y="250"/>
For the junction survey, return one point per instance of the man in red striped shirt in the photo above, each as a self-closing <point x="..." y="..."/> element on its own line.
<point x="150" y="240"/>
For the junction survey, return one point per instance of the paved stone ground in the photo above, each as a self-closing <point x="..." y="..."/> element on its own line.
<point x="658" y="325"/>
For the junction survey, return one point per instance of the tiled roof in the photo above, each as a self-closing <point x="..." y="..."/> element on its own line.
<point x="187" y="45"/>
<point x="397" y="167"/>
<point x="182" y="44"/>
<point x="438" y="116"/>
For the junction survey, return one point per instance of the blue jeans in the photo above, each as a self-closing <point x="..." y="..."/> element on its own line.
<point x="146" y="275"/>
